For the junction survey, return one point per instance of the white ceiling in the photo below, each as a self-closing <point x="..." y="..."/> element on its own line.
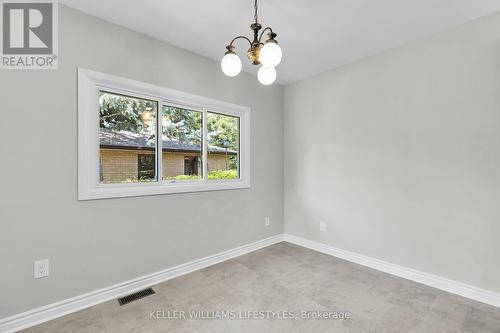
<point x="315" y="35"/>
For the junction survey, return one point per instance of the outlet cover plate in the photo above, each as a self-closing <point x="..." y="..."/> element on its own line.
<point x="41" y="269"/>
<point x="322" y="226"/>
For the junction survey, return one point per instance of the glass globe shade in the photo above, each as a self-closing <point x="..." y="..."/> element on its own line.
<point x="266" y="75"/>
<point x="231" y="64"/>
<point x="270" y="54"/>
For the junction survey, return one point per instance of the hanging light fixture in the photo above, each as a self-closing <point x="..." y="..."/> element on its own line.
<point x="268" y="54"/>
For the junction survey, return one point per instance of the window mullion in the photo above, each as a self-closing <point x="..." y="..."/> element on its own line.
<point x="205" y="146"/>
<point x="159" y="141"/>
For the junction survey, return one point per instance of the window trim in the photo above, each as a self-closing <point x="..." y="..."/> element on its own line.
<point x="89" y="187"/>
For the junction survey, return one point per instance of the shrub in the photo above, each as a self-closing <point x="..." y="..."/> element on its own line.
<point x="223" y="174"/>
<point x="183" y="177"/>
<point x="214" y="174"/>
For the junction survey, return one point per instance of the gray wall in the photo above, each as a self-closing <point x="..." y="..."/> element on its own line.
<point x="95" y="244"/>
<point x="399" y="154"/>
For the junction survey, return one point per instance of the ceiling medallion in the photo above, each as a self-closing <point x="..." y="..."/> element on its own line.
<point x="268" y="54"/>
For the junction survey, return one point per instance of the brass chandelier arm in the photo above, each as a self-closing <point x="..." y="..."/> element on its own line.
<point x="239" y="37"/>
<point x="262" y="33"/>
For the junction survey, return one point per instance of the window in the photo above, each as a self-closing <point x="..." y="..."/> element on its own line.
<point x="138" y="139"/>
<point x="191" y="166"/>
<point x="146" y="167"/>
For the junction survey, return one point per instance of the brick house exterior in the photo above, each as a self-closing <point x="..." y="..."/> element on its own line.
<point x="121" y="153"/>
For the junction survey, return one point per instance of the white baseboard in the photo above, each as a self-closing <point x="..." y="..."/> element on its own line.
<point x="459" y="288"/>
<point x="55" y="310"/>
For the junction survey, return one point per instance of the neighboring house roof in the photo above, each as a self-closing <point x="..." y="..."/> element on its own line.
<point x="130" y="140"/>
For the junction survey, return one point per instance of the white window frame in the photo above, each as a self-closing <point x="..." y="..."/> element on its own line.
<point x="89" y="187"/>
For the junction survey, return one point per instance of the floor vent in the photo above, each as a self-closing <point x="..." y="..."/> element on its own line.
<point x="135" y="296"/>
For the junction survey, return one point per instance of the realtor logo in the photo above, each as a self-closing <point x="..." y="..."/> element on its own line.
<point x="29" y="34"/>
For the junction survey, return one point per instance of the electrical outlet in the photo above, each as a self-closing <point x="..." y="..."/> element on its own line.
<point x="322" y="226"/>
<point x="41" y="269"/>
<point x="268" y="221"/>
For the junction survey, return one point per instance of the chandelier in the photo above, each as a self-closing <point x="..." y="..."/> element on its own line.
<point x="268" y="54"/>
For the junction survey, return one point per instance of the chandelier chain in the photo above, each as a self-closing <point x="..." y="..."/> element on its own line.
<point x="256" y="8"/>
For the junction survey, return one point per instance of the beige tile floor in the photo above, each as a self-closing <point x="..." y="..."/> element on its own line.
<point x="285" y="277"/>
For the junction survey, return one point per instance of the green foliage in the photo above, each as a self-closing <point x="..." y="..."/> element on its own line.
<point x="214" y="174"/>
<point x="223" y="131"/>
<point x="124" y="113"/>
<point x="130" y="180"/>
<point x="183" y="177"/>
<point x="223" y="174"/>
<point x="119" y="112"/>
<point x="182" y="125"/>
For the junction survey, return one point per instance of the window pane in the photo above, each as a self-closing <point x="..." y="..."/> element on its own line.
<point x="223" y="146"/>
<point x="181" y="141"/>
<point x="146" y="165"/>
<point x="127" y="135"/>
